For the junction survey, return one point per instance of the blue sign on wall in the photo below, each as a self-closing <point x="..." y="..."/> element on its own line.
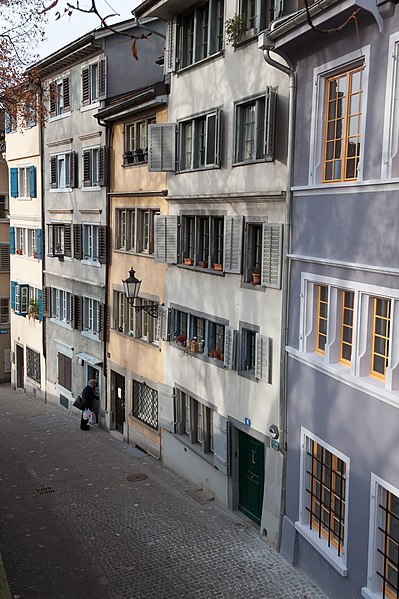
<point x="247" y="422"/>
<point x="4" y="331"/>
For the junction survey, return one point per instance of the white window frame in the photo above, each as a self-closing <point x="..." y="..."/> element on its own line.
<point x="61" y="306"/>
<point x="302" y="525"/>
<point x="31" y="245"/>
<point x="94" y="168"/>
<point x="189" y="146"/>
<point x="137" y="230"/>
<point x="20" y="240"/>
<point x="390" y="148"/>
<point x="90" y="239"/>
<point x="136" y="146"/>
<point x="264" y="127"/>
<point x="63" y="163"/>
<point x="317" y="121"/>
<point x="24" y="183"/>
<point x="377" y="487"/>
<point x="91" y="317"/>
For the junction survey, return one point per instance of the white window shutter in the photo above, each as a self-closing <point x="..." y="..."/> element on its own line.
<point x="170" y="58"/>
<point x="270" y="123"/>
<point x="162" y="321"/>
<point x="272" y="255"/>
<point x="165" y="238"/>
<point x="263" y="358"/>
<point x="162" y="147"/>
<point x="166" y="407"/>
<point x="232" y="244"/>
<point x="221" y="442"/>
<point x="230" y="337"/>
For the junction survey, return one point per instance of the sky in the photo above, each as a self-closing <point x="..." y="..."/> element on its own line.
<point x="66" y="29"/>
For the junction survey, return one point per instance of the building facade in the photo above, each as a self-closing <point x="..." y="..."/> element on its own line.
<point x="134" y="351"/>
<point x="222" y="240"/>
<point x="342" y="487"/>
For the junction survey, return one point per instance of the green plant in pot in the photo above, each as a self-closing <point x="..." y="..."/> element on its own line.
<point x="235" y="29"/>
<point x="33" y="311"/>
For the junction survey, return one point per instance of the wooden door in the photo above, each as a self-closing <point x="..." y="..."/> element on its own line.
<point x="251" y="476"/>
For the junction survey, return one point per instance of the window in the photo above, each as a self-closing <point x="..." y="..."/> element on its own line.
<point x="383" y="580"/>
<point x="59" y="97"/>
<point x="33" y="365"/>
<point x="199" y="334"/>
<point x="23" y="182"/>
<point x="61" y="305"/>
<point x="21" y="299"/>
<point x="91" y="168"/>
<point x="322" y="316"/>
<point x="90" y="316"/>
<point x="199" y="142"/>
<point x="3" y="206"/>
<point x="203" y="241"/>
<point x="32" y="242"/>
<point x="90" y="242"/>
<point x="348" y="298"/>
<point x="136" y="141"/>
<point x="323" y="505"/>
<point x="4" y="310"/>
<point x="93" y="82"/>
<point x="56" y="240"/>
<point x="62" y="171"/>
<point x="139" y="325"/>
<point x="65" y="371"/>
<point x="256" y="14"/>
<point x="135" y="230"/>
<point x="263" y="251"/>
<point x="248" y="354"/>
<point x="19" y="240"/>
<point x="380" y="337"/>
<point x="254" y="128"/>
<point x="145" y="404"/>
<point x="195" y="422"/>
<point x="342" y="138"/>
<point x="200" y="33"/>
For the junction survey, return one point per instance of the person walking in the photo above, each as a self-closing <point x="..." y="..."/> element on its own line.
<point x="88" y="395"/>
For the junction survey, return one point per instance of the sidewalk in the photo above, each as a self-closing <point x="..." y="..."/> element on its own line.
<point x="83" y="516"/>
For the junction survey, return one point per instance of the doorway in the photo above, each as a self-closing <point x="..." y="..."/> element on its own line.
<point x="20" y="366"/>
<point x="93" y="373"/>
<point x="251" y="476"/>
<point x="118" y="399"/>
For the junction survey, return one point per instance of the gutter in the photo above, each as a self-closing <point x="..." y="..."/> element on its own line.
<point x="285" y="24"/>
<point x="268" y="47"/>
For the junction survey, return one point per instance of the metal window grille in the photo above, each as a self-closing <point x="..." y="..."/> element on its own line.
<point x="388" y="548"/>
<point x="33" y="364"/>
<point x="325" y="487"/>
<point x="145" y="404"/>
<point x="322" y="316"/>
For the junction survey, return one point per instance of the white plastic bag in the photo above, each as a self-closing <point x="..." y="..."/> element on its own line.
<point x="86" y="414"/>
<point x="92" y="418"/>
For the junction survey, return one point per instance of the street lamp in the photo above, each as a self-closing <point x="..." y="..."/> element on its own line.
<point x="131" y="287"/>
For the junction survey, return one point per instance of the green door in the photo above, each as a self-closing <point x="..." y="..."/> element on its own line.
<point x="251" y="476"/>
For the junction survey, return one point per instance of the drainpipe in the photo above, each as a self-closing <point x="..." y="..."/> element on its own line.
<point x="266" y="45"/>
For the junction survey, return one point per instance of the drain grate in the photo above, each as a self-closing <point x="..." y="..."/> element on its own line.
<point x="45" y="490"/>
<point x="136" y="477"/>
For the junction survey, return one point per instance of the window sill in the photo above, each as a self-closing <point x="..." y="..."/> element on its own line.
<point x="365" y="592"/>
<point x="90" y="188"/>
<point x="61" y="323"/>
<point x="91" y="106"/>
<point x="59" y="117"/>
<point x="60" y="189"/>
<point x="209" y="271"/>
<point x="200" y="356"/>
<point x="87" y="262"/>
<point x="153" y="344"/>
<point x="24" y="199"/>
<point x="195" y="448"/>
<point x="200" y="63"/>
<point x="143" y="423"/>
<point x="133" y="252"/>
<point x="249" y="36"/>
<point x="90" y="335"/>
<point x="252" y="286"/>
<point x="135" y="164"/>
<point x="329" y="554"/>
<point x="209" y="167"/>
<point x="246" y="374"/>
<point x="366" y="384"/>
<point x="33" y="381"/>
<point x="255" y="161"/>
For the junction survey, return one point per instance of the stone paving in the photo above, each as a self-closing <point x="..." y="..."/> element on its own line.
<point x="72" y="526"/>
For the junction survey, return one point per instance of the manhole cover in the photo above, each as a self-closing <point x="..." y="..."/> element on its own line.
<point x="45" y="490"/>
<point x="134" y="478"/>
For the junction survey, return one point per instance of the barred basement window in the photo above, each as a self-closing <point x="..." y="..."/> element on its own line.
<point x="145" y="404"/>
<point x="33" y="364"/>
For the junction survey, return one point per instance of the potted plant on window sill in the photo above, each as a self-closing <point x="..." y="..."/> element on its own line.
<point x="188" y="261"/>
<point x="128" y="157"/>
<point x="181" y="340"/>
<point x="235" y="28"/>
<point x="256" y="275"/>
<point x="201" y="264"/>
<point x="19" y="252"/>
<point x="34" y="255"/>
<point x="217" y="266"/>
<point x="33" y="311"/>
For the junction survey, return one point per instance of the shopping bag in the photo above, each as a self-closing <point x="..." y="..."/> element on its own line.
<point x="86" y="414"/>
<point x="92" y="418"/>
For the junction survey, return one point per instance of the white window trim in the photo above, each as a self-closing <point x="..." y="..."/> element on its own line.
<point x="56" y="319"/>
<point x="26" y="167"/>
<point x="81" y="166"/>
<point x="96" y="103"/>
<point x="390" y="146"/>
<point x="89" y="333"/>
<point x="371" y="591"/>
<point x="302" y="526"/>
<point x="320" y="74"/>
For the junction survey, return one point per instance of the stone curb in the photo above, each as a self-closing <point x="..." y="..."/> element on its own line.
<point x="4" y="588"/>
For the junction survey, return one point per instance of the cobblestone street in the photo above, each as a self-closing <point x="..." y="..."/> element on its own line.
<point x="72" y="526"/>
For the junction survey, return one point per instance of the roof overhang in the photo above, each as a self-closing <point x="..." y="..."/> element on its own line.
<point x="165" y="9"/>
<point x="151" y="97"/>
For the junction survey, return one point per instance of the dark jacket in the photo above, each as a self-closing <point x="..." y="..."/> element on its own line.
<point x="88" y="396"/>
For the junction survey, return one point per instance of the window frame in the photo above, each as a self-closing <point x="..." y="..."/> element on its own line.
<point x="190" y="412"/>
<point x="200" y="141"/>
<point x="32" y="355"/>
<point x="135" y="152"/>
<point x="90" y="242"/>
<point x="137" y="325"/>
<point x="138" y="390"/>
<point x="264" y="104"/>
<point x="94" y="168"/>
<point x="260" y="20"/>
<point x="91" y="317"/>
<point x="138" y="230"/>
<point x="61" y="306"/>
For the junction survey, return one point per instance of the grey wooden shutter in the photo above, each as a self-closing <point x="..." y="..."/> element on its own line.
<point x="68" y="240"/>
<point x="270" y="123"/>
<point x="66" y="96"/>
<point x="87" y="182"/>
<point x="166" y="410"/>
<point x="102" y="165"/>
<point x="165" y="238"/>
<point x="53" y="172"/>
<point x="50" y="242"/>
<point x="47" y="302"/>
<point x="72" y="169"/>
<point x="85" y="86"/>
<point x="162" y="323"/>
<point x="77" y="242"/>
<point x="102" y="78"/>
<point x="102" y="244"/>
<point x="78" y="312"/>
<point x="263" y="358"/>
<point x="162" y="147"/>
<point x="230" y="339"/>
<point x="233" y="227"/>
<point x="53" y="92"/>
<point x="221" y="443"/>
<point x="170" y="62"/>
<point x="272" y="254"/>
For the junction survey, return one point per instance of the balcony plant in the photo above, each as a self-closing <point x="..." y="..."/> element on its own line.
<point x="33" y="311"/>
<point x="235" y="28"/>
<point x="181" y="340"/>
